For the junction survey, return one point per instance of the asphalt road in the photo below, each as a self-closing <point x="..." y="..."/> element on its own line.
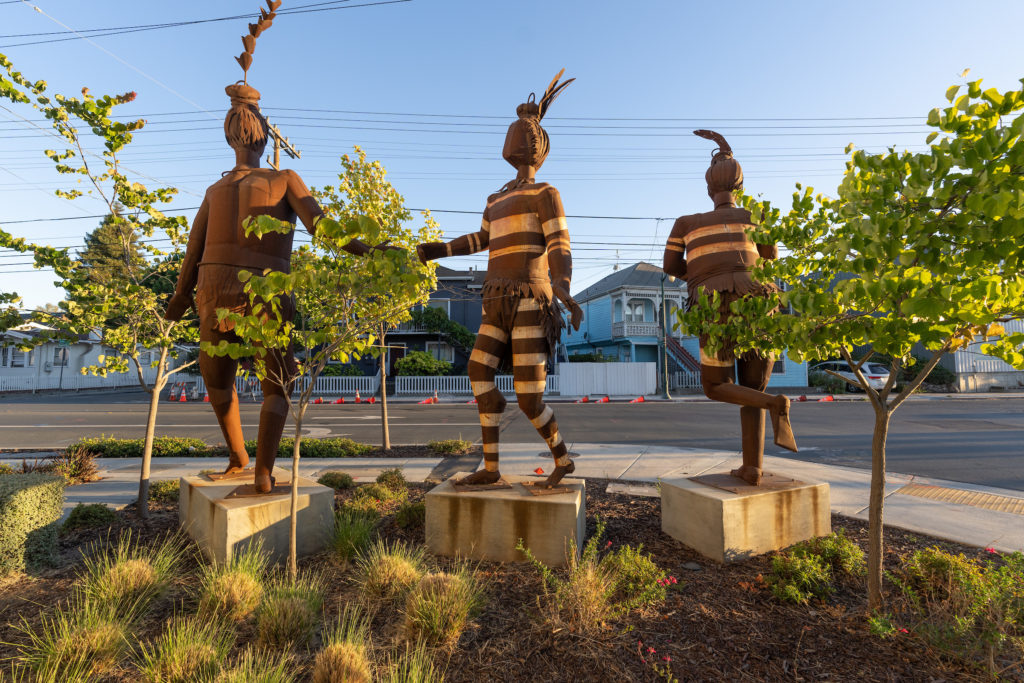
<point x="979" y="441"/>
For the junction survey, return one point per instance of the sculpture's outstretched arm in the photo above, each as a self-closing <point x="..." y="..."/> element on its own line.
<point x="768" y="251"/>
<point x="182" y="299"/>
<point x="675" y="251"/>
<point x="460" y="246"/>
<point x="310" y="213"/>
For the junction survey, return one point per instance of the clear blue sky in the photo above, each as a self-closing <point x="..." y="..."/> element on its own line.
<point x="846" y="72"/>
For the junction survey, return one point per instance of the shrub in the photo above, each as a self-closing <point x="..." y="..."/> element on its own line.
<point x="163" y="447"/>
<point x="583" y="600"/>
<point x="352" y="531"/>
<point x="414" y="665"/>
<point x="290" y="611"/>
<point x="439" y="607"/>
<point x="30" y="511"/>
<point x="830" y="383"/>
<point x="76" y="643"/>
<point x="191" y="649"/>
<point x="967" y="610"/>
<point x="841" y="554"/>
<point x="336" y="480"/>
<point x="87" y="515"/>
<point x="254" y="666"/>
<point x="335" y="447"/>
<point x="344" y="657"/>
<point x="387" y="571"/>
<point x="76" y="465"/>
<point x="798" y="578"/>
<point x="234" y="589"/>
<point x="375" y="498"/>
<point x="450" y="446"/>
<point x="393" y="479"/>
<point x="123" y="578"/>
<point x="411" y="515"/>
<point x="338" y="370"/>
<point x="638" y="580"/>
<point x="421" y="364"/>
<point x="165" y="491"/>
<point x="5" y="469"/>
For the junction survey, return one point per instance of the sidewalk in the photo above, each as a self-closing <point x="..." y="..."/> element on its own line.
<point x="974" y="515"/>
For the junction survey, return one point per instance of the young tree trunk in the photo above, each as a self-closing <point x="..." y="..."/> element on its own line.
<point x="875" y="504"/>
<point x="293" y="567"/>
<point x="385" y="436"/>
<point x="142" y="506"/>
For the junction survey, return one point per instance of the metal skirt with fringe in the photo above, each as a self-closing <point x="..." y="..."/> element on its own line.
<point x="501" y="300"/>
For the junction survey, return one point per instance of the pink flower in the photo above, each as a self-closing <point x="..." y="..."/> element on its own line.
<point x="672" y="579"/>
<point x="643" y="661"/>
<point x="990" y="550"/>
<point x="666" y="658"/>
<point x="651" y="650"/>
<point x="903" y="630"/>
<point x="608" y="544"/>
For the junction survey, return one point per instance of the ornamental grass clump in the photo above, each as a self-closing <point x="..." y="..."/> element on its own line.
<point x="233" y="590"/>
<point x="387" y="571"/>
<point x="77" y="465"/>
<point x="345" y="656"/>
<point x="76" y="643"/>
<point x="257" y="666"/>
<point x="967" y="610"/>
<point x="582" y="601"/>
<point x="414" y="664"/>
<point x="124" y="578"/>
<point x="190" y="649"/>
<point x="440" y="606"/>
<point x="290" y="611"/>
<point x="353" y="530"/>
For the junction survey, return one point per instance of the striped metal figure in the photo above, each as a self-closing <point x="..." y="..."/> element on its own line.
<point x="524" y="229"/>
<point x="714" y="253"/>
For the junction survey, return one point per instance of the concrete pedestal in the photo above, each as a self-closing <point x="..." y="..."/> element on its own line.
<point x="486" y="525"/>
<point x="728" y="526"/>
<point x="222" y="525"/>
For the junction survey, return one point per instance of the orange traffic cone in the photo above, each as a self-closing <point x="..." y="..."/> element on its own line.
<point x="435" y="397"/>
<point x="339" y="401"/>
<point x="174" y="393"/>
<point x="638" y="399"/>
<point x="425" y="402"/>
<point x="373" y="399"/>
<point x="358" y="400"/>
<point x="802" y="398"/>
<point x="206" y="397"/>
<point x="828" y="398"/>
<point x="183" y="399"/>
<point x="604" y="400"/>
<point x="585" y="399"/>
<point x="471" y="401"/>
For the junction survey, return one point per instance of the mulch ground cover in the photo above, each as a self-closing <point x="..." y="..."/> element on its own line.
<point x="718" y="622"/>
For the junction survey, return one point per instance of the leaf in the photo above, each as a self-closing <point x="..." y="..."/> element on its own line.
<point x="244" y="60"/>
<point x="951" y="92"/>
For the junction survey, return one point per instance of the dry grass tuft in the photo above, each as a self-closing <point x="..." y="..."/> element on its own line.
<point x="439" y="608"/>
<point x="233" y="590"/>
<point x="76" y="643"/>
<point x="191" y="649"/>
<point x="124" y="578"/>
<point x="342" y="662"/>
<point x="387" y="571"/>
<point x="290" y="612"/>
<point x="255" y="666"/>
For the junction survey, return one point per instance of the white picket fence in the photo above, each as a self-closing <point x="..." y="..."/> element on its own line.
<point x="325" y="386"/>
<point x="72" y="381"/>
<point x="426" y="386"/>
<point x="609" y="379"/>
<point x="685" y="380"/>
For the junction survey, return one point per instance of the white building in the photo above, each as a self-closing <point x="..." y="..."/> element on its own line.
<point x="57" y="364"/>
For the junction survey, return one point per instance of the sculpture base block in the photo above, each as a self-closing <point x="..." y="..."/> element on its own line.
<point x="222" y="525"/>
<point x="728" y="527"/>
<point x="486" y="525"/>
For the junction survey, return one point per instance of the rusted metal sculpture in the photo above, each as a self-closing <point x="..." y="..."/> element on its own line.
<point x="525" y="230"/>
<point x="714" y="253"/>
<point x="218" y="250"/>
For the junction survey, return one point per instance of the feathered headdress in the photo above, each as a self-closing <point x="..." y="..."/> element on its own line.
<point x="527" y="143"/>
<point x="244" y="126"/>
<point x="725" y="173"/>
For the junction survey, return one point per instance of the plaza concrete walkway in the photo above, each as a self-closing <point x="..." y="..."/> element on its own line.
<point x="974" y="515"/>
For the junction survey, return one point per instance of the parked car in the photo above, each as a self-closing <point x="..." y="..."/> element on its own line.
<point x="875" y="373"/>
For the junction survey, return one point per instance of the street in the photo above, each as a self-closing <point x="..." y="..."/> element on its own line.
<point x="978" y="441"/>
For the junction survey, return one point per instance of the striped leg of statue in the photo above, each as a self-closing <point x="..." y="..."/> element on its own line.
<point x="715" y="254"/>
<point x="529" y="269"/>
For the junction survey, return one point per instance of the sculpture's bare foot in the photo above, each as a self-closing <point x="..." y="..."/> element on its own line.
<point x="234" y="469"/>
<point x="264" y="483"/>
<point x="749" y="474"/>
<point x="479" y="478"/>
<point x="557" y="474"/>
<point x="236" y="463"/>
<point x="780" y="425"/>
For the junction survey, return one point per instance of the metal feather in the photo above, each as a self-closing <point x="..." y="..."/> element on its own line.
<point x="552" y="92"/>
<point x="723" y="146"/>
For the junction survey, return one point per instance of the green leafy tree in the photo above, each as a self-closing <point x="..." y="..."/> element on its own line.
<point x="917" y="249"/>
<point x="340" y="304"/>
<point x="123" y="309"/>
<point x="363" y="190"/>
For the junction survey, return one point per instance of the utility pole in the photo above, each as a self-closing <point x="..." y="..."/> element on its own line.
<point x="280" y="142"/>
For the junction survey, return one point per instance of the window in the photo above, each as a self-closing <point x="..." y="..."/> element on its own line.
<point x="443" y="304"/>
<point x="32" y="358"/>
<point x="3" y="356"/>
<point x="441" y="351"/>
<point x="635" y="311"/>
<point x="17" y="358"/>
<point x="779" y="367"/>
<point x="60" y="357"/>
